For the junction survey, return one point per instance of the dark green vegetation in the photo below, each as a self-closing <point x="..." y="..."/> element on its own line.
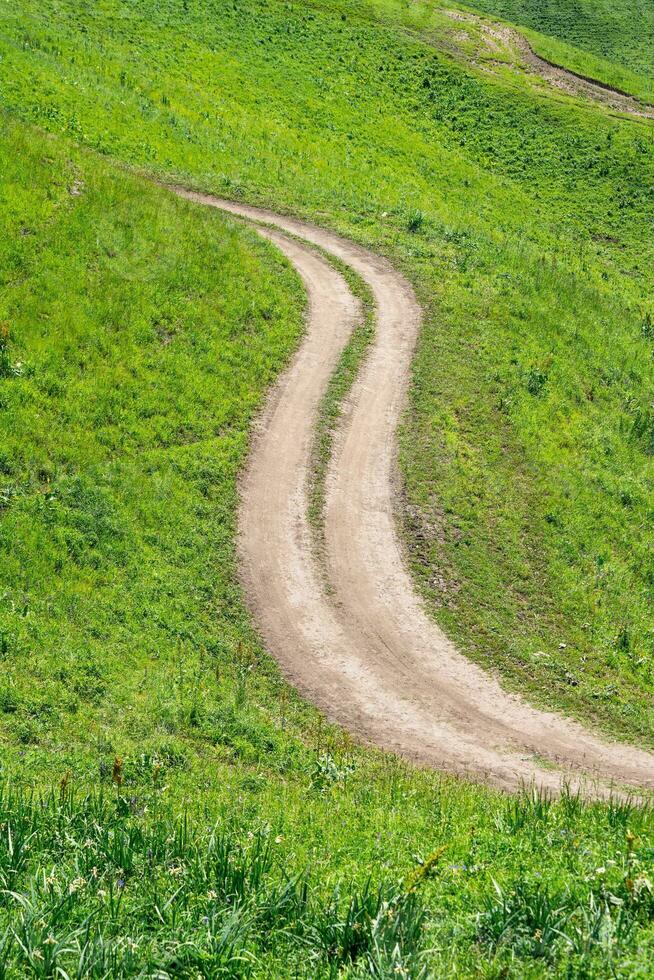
<point x="138" y="336"/>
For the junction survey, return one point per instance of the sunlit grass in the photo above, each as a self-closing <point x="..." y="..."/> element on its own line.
<point x="138" y="336"/>
<point x="525" y="224"/>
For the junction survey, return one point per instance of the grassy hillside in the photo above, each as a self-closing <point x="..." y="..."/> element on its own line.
<point x="139" y="334"/>
<point x="202" y="821"/>
<point x="138" y="337"/>
<point x="525" y="223"/>
<point x="615" y="50"/>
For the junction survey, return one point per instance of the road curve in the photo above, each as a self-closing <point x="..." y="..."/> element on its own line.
<point x="353" y="637"/>
<point x="502" y="39"/>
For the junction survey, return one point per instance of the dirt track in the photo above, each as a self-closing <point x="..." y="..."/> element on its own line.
<point x="501" y="39"/>
<point x="366" y="653"/>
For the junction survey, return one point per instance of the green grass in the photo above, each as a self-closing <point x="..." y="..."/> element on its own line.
<point x="146" y="331"/>
<point x="113" y="884"/>
<point x="164" y="897"/>
<point x="588" y="65"/>
<point x="139" y="335"/>
<point x="616" y="33"/>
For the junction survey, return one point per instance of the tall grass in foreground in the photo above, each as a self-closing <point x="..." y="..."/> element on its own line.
<point x="107" y="885"/>
<point x="93" y="886"/>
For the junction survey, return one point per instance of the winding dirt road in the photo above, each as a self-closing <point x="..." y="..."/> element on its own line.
<point x="501" y="40"/>
<point x="353" y="637"/>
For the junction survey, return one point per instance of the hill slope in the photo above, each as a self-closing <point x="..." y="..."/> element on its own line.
<point x="525" y="224"/>
<point x="620" y="32"/>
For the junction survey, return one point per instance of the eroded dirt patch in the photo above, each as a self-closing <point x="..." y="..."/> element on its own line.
<point x="505" y="46"/>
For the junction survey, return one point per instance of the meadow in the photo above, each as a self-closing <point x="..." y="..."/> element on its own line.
<point x="213" y="823"/>
<point x="608" y="43"/>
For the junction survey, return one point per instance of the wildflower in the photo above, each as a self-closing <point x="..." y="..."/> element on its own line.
<point x="37" y="954"/>
<point x="424" y="869"/>
<point x="211" y="894"/>
<point x="49" y="940"/>
<point x="278" y="839"/>
<point x="117" y="772"/>
<point x="641" y="884"/>
<point x="75" y="885"/>
<point x="101" y="893"/>
<point x="176" y="869"/>
<point x="121" y="882"/>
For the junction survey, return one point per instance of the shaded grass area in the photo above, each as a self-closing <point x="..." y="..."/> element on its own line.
<point x="533" y="531"/>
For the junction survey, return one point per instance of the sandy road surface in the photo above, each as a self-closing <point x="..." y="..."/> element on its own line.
<point x="366" y="653"/>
